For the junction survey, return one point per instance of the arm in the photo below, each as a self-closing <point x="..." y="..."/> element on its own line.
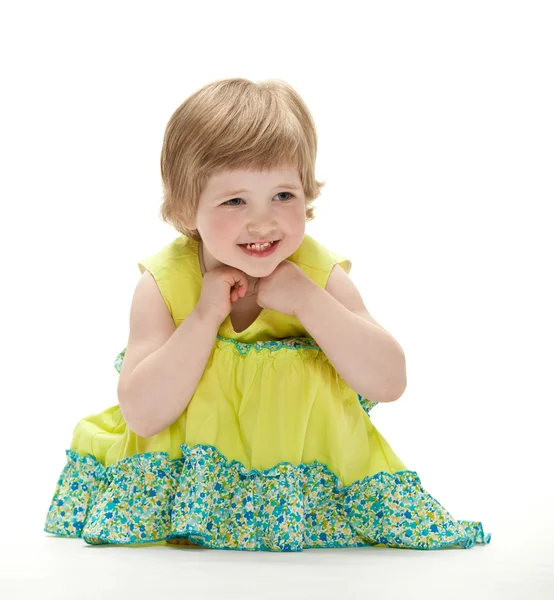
<point x="368" y="358"/>
<point x="162" y="385"/>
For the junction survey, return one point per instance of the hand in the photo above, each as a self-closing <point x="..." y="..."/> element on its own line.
<point x="221" y="287"/>
<point x="284" y="290"/>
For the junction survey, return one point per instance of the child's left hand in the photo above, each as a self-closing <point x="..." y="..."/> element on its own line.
<point x="284" y="289"/>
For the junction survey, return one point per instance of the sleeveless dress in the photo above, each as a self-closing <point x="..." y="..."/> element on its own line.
<point x="273" y="452"/>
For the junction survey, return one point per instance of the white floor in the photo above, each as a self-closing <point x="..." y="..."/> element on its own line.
<point x="518" y="563"/>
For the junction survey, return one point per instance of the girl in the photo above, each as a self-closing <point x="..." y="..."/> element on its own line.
<point x="251" y="366"/>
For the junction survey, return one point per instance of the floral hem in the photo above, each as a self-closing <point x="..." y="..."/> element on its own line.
<point x="216" y="503"/>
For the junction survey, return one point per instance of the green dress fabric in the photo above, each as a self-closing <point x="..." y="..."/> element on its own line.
<point x="273" y="452"/>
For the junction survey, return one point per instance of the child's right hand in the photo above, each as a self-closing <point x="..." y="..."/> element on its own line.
<point x="220" y="288"/>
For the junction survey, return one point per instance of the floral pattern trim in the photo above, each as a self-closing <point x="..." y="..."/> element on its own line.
<point x="218" y="503"/>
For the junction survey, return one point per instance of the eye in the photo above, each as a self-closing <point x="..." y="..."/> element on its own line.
<point x="232" y="199"/>
<point x="285" y="193"/>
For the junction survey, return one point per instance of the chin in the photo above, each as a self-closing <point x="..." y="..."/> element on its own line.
<point x="260" y="271"/>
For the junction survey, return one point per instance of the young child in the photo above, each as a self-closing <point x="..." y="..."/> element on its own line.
<point x="250" y="371"/>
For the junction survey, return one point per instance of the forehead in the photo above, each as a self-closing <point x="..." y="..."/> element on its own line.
<point x="224" y="180"/>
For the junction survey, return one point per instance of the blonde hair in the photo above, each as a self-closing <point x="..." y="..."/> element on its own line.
<point x="234" y="124"/>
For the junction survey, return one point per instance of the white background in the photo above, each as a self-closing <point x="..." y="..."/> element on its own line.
<point x="436" y="131"/>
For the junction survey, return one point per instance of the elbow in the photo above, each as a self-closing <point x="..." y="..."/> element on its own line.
<point x="393" y="397"/>
<point x="395" y="386"/>
<point x="136" y="425"/>
<point x="396" y="389"/>
<point x="385" y="395"/>
<point x="138" y="430"/>
<point x="399" y="380"/>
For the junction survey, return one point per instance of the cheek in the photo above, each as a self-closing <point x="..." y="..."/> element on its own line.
<point x="298" y="211"/>
<point x="299" y="219"/>
<point x="222" y="226"/>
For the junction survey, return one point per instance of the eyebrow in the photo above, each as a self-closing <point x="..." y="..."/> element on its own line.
<point x="288" y="186"/>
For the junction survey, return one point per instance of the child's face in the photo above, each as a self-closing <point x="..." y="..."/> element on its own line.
<point x="266" y="209"/>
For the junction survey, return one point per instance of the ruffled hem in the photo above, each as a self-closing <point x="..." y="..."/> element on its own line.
<point x="216" y="503"/>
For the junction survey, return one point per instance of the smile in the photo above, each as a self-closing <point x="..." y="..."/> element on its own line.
<point x="260" y="253"/>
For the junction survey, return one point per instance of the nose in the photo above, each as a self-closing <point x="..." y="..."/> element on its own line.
<point x="262" y="224"/>
<point x="262" y="232"/>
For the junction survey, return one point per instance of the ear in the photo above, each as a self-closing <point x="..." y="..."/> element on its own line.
<point x="188" y="224"/>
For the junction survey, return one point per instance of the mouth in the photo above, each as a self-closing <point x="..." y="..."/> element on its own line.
<point x="264" y="250"/>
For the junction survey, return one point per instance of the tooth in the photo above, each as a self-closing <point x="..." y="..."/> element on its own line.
<point x="259" y="247"/>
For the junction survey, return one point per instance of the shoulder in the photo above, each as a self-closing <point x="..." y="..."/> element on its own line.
<point x="176" y="271"/>
<point x="342" y="288"/>
<point x="317" y="255"/>
<point x="317" y="260"/>
<point x="177" y="259"/>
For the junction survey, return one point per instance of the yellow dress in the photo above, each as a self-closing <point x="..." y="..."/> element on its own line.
<point x="273" y="452"/>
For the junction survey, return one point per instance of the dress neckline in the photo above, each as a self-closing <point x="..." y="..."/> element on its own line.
<point x="226" y="323"/>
